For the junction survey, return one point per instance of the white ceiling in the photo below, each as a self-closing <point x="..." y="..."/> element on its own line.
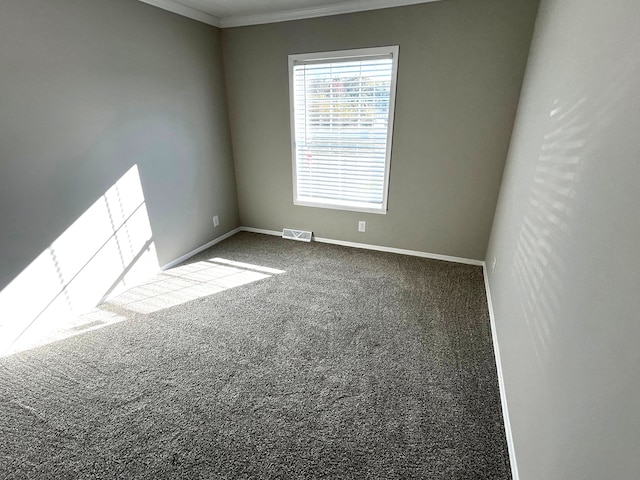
<point x="233" y="13"/>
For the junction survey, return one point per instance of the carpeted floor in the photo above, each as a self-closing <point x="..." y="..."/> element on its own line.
<point x="349" y="364"/>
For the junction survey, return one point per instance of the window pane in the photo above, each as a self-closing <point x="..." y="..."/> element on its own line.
<point x="341" y="115"/>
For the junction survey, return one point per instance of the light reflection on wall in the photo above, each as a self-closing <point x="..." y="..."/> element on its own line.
<point x="106" y="250"/>
<point x="539" y="272"/>
<point x="538" y="269"/>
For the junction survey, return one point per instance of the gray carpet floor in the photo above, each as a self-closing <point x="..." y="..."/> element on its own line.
<point x="350" y="364"/>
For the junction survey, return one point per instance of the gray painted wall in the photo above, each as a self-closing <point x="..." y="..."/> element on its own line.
<point x="91" y="88"/>
<point x="566" y="287"/>
<point x="460" y="73"/>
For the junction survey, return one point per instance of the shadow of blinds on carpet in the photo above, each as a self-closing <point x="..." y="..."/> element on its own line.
<point x="190" y="282"/>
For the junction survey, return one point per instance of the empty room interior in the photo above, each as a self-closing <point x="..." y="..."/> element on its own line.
<point x="463" y="175"/>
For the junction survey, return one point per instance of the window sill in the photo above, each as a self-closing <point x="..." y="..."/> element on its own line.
<point x="341" y="206"/>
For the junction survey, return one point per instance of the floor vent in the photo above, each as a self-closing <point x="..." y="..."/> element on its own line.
<point x="300" y="235"/>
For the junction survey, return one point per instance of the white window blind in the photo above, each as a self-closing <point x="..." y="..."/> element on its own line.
<point x="342" y="120"/>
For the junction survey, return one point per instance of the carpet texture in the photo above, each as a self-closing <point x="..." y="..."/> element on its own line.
<point x="350" y="364"/>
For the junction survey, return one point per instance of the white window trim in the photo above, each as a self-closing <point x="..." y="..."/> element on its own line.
<point x="392" y="50"/>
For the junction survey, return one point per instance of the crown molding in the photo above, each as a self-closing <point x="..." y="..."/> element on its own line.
<point x="349" y="6"/>
<point x="185" y="11"/>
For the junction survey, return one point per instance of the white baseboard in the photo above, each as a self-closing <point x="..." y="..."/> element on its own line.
<point x="503" y="395"/>
<point x="187" y="256"/>
<point x="401" y="251"/>
<point x="261" y="230"/>
<point x="366" y="246"/>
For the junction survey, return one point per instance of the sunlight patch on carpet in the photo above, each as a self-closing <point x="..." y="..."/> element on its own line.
<point x="190" y="282"/>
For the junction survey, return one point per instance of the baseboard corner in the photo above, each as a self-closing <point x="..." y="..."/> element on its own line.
<point x="190" y="254"/>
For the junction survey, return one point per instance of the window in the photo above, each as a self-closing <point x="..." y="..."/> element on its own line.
<point x="342" y="106"/>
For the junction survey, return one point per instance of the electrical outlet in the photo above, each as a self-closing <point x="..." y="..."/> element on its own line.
<point x="216" y="221"/>
<point x="493" y="264"/>
<point x="362" y="226"/>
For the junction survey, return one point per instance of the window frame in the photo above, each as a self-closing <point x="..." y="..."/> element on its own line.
<point x="345" y="55"/>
